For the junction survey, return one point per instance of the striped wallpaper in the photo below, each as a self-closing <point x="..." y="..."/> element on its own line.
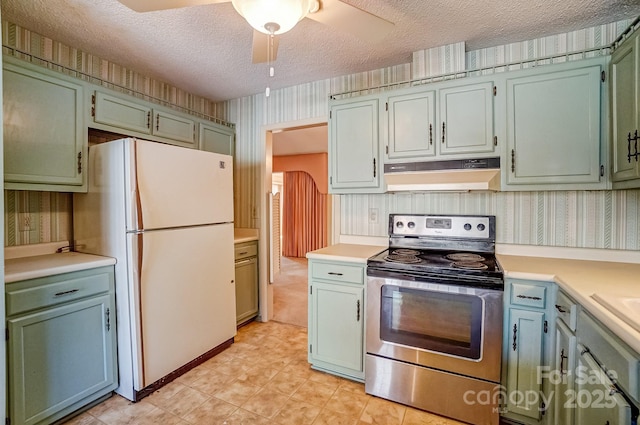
<point x="598" y="219"/>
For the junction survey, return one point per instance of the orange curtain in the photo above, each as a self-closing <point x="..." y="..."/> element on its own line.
<point x="304" y="222"/>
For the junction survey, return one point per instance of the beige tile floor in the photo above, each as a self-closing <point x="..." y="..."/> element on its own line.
<point x="263" y="378"/>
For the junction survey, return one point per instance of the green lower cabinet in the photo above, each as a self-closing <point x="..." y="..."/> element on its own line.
<point x="62" y="356"/>
<point x="528" y="351"/>
<point x="336" y="322"/>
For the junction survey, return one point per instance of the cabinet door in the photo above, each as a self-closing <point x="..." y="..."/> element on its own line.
<point x="216" y="139"/>
<point x="525" y="350"/>
<point x="60" y="356"/>
<point x="553" y="127"/>
<point x="563" y="374"/>
<point x="624" y="110"/>
<point x="596" y="401"/>
<point x="246" y="289"/>
<point x="466" y="119"/>
<point x="353" y="147"/>
<point x="174" y="127"/>
<point x="337" y="321"/>
<point x="117" y="112"/>
<point x="411" y="121"/>
<point x="44" y="132"/>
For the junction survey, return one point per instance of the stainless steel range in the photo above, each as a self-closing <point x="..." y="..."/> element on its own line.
<point x="434" y="317"/>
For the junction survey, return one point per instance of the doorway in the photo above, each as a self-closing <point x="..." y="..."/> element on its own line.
<point x="299" y="182"/>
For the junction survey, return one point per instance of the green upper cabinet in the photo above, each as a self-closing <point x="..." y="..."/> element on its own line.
<point x="440" y="121"/>
<point x="625" y="112"/>
<point x="466" y="119"/>
<point x="411" y="122"/>
<point x="354" y="148"/>
<point x="133" y="117"/>
<point x="553" y="127"/>
<point x="216" y="138"/>
<point x="45" y="137"/>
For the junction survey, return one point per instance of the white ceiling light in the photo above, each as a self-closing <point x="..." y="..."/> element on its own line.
<point x="273" y="16"/>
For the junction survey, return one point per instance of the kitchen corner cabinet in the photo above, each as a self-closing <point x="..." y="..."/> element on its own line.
<point x="528" y="347"/>
<point x="354" y="148"/>
<point x="625" y="112"/>
<point x="246" y="281"/>
<point x="553" y="127"/>
<point x="117" y="113"/>
<point x="336" y="318"/>
<point x="45" y="137"/>
<point x="61" y="344"/>
<point x="445" y="120"/>
<point x="216" y="138"/>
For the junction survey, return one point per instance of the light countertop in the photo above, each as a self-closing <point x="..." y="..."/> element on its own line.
<point x="580" y="279"/>
<point x="32" y="267"/>
<point x="242" y="234"/>
<point x="346" y="252"/>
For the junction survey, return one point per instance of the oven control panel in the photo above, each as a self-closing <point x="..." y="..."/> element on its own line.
<point x="457" y="226"/>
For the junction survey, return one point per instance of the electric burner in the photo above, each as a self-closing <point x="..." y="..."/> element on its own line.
<point x="465" y="256"/>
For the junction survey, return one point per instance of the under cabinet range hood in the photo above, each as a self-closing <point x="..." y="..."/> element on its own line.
<point x="444" y="176"/>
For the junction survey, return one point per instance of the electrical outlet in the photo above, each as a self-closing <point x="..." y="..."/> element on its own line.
<point x="25" y="222"/>
<point x="373" y="215"/>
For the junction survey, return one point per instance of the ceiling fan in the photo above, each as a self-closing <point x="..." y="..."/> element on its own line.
<point x="270" y="18"/>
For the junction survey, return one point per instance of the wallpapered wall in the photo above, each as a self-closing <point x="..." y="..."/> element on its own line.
<point x="599" y="219"/>
<point x="51" y="212"/>
<point x="595" y="219"/>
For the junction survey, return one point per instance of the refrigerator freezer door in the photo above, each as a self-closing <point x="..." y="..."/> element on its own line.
<point x="181" y="187"/>
<point x="187" y="295"/>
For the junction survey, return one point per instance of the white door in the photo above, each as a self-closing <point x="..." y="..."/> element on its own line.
<point x="180" y="187"/>
<point x="187" y="295"/>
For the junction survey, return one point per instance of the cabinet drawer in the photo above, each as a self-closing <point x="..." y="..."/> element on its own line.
<point x="616" y="358"/>
<point x="51" y="290"/>
<point x="244" y="251"/>
<point x="337" y="272"/>
<point x="528" y="294"/>
<point x="567" y="310"/>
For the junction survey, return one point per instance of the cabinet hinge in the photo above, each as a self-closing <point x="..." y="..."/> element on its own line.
<point x="546" y="326"/>
<point x="7" y="421"/>
<point x="495" y="140"/>
<point x="79" y="162"/>
<point x="93" y="105"/>
<point x="495" y="90"/>
<point x="330" y="180"/>
<point x="602" y="171"/>
<point x="6" y="334"/>
<point x="310" y="290"/>
<point x="386" y="149"/>
<point x="330" y="113"/>
<point x="386" y="106"/>
<point x="310" y="348"/>
<point x="603" y="76"/>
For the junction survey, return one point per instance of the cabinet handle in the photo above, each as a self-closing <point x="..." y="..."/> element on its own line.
<point x="108" y="314"/>
<point x="562" y="357"/>
<point x="79" y="162"/>
<point x="431" y="134"/>
<point x="241" y="262"/>
<point x="149" y="119"/>
<point x="335" y="273"/>
<point x="443" y="132"/>
<point x="636" y="143"/>
<point x="243" y="252"/>
<point x="63" y="293"/>
<point x="357" y="310"/>
<point x="374" y="167"/>
<point x="635" y="140"/>
<point x="513" y="160"/>
<point x="528" y="297"/>
<point x="515" y="336"/>
<point x="561" y="309"/>
<point x="157" y="122"/>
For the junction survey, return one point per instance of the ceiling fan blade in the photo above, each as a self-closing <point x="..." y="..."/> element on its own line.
<point x="261" y="48"/>
<point x="352" y="20"/>
<point x="151" y="5"/>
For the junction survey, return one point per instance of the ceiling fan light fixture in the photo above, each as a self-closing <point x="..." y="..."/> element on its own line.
<point x="272" y="16"/>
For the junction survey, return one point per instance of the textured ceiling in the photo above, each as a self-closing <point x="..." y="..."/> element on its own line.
<point x="206" y="49"/>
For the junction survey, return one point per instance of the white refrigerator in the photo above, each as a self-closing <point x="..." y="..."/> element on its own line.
<point x="166" y="214"/>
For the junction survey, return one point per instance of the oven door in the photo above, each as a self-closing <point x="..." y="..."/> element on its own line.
<point x="443" y="326"/>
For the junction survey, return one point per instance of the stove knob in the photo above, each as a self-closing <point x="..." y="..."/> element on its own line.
<point x="411" y="225"/>
<point x="399" y="225"/>
<point x="481" y="227"/>
<point x="467" y="226"/>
